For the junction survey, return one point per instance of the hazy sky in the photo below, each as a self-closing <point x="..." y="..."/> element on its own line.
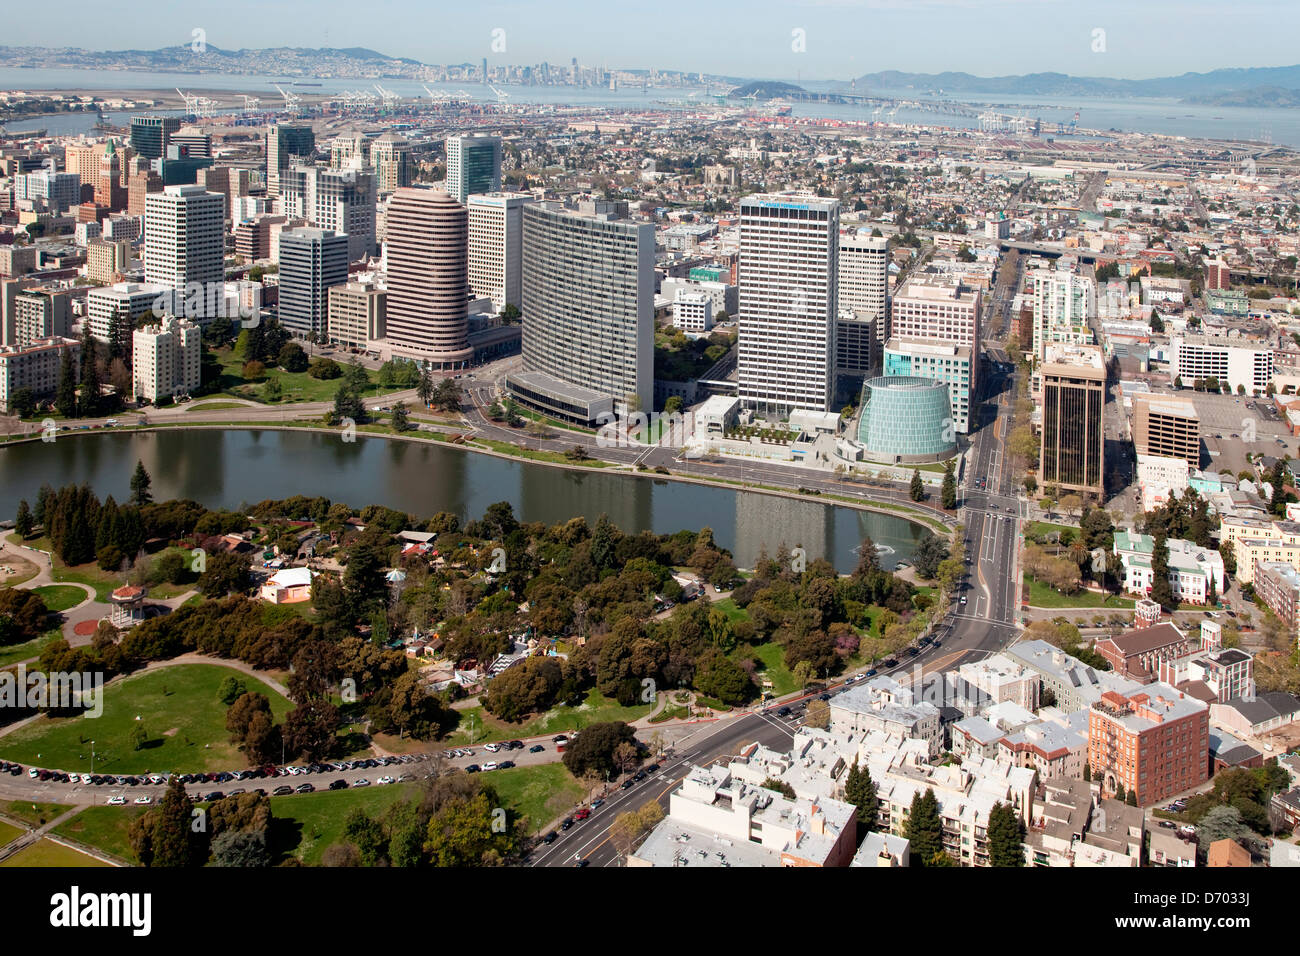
<point x="757" y="38"/>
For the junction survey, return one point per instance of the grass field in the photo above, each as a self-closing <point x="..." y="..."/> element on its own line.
<point x="595" y="709"/>
<point x="774" y="669"/>
<point x="1044" y="595"/>
<point x="305" y="825"/>
<point x="13" y="653"/>
<point x="61" y="597"/>
<point x="728" y="607"/>
<point x="47" y="853"/>
<point x="213" y="406"/>
<point x="8" y="834"/>
<point x="37" y="814"/>
<point x="177" y="706"/>
<point x="294" y="386"/>
<point x="1045" y="528"/>
<point x="538" y="793"/>
<point x="104" y="828"/>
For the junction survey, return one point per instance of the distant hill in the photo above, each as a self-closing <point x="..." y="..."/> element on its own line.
<point x="1259" y="97"/>
<point x="1187" y="85"/>
<point x="765" y="89"/>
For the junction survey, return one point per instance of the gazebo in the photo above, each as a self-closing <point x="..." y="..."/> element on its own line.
<point x="128" y="606"/>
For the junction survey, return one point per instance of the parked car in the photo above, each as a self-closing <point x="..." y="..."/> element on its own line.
<point x="116" y="801"/>
<point x="339" y="784"/>
<point x="143" y="801"/>
<point x="363" y="782"/>
<point x="550" y="838"/>
<point x="282" y="791"/>
<point x="384" y="779"/>
<point x="304" y="788"/>
<point x="536" y="749"/>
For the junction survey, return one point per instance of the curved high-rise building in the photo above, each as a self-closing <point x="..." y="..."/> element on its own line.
<point x="428" y="243"/>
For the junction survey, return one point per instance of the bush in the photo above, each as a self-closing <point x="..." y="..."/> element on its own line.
<point x="324" y="368"/>
<point x="110" y="558"/>
<point x="253" y="370"/>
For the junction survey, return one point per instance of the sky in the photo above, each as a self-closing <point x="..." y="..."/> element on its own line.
<point x="805" y="40"/>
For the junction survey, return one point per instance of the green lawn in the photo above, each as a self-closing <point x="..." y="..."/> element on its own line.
<point x="104" y="828"/>
<point x="47" y="853"/>
<point x="21" y="652"/>
<point x="595" y="709"/>
<point x="8" y="834"/>
<point x="773" y="657"/>
<point x="1044" y="595"/>
<point x="61" y="597"/>
<point x="179" y="710"/>
<point x="37" y="814"/>
<point x="539" y="793"/>
<point x="729" y="608"/>
<point x="1044" y="528"/>
<point x="558" y="457"/>
<point x="307" y="824"/>
<point x="294" y="386"/>
<point x="213" y="406"/>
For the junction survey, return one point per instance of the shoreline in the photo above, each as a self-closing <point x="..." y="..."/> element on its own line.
<point x="911" y="515"/>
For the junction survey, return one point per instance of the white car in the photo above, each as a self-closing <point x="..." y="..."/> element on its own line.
<point x="143" y="801"/>
<point x="75" y="778"/>
<point x="384" y="779"/>
<point x="493" y="748"/>
<point x="116" y="801"/>
<point x="490" y="765"/>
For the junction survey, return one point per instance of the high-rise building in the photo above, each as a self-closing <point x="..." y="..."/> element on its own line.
<point x="788" y="274"/>
<point x="350" y="151"/>
<point x="311" y="262"/>
<point x="473" y="165"/>
<point x="139" y="185"/>
<point x="864" y="281"/>
<point x="1217" y="273"/>
<point x="390" y="155"/>
<point x="55" y="193"/>
<point x="588" y="305"/>
<point x="284" y="142"/>
<point x="1073" y="441"/>
<point x="196" y="143"/>
<point x="496" y="236"/>
<point x="427" y="251"/>
<point x="183" y="247"/>
<point x="109" y="191"/>
<point x="339" y="200"/>
<point x="1166" y="426"/>
<point x="165" y="359"/>
<point x="83" y="160"/>
<point x="1064" y="302"/>
<point x="151" y="135"/>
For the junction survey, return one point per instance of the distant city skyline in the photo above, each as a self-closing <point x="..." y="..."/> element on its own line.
<point x="759" y="39"/>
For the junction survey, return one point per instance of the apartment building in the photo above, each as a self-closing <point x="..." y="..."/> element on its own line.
<point x="184" y="246"/>
<point x="106" y="261"/>
<point x="1063" y="304"/>
<point x="41" y="313"/>
<point x="997" y="679"/>
<point x="165" y="359"/>
<point x="1074" y="684"/>
<point x="936" y="309"/>
<point x="715" y="819"/>
<point x="34" y="366"/>
<point x="864" y="283"/>
<point x="1137" y="653"/>
<point x="338" y="200"/>
<point x="1277" y="584"/>
<point x="1260" y="540"/>
<point x="1155" y="742"/>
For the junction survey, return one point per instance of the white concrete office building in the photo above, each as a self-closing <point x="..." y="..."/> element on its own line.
<point x="183" y="245"/>
<point x="693" y="311"/>
<point x="864" y="281"/>
<point x="1246" y="367"/>
<point x="340" y="200"/>
<point x="788" y="274"/>
<point x="473" y="165"/>
<point x="496" y="243"/>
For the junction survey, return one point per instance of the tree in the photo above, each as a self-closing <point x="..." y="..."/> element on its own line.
<point x="462" y="832"/>
<point x="401" y="420"/>
<point x="225" y="572"/>
<point x="90" y="383"/>
<point x="860" y="790"/>
<point x="673" y="404"/>
<point x="241" y="848"/>
<point x="928" y="556"/>
<point x="140" y="482"/>
<point x="1221" y="823"/>
<point x="22" y="402"/>
<point x="292" y="358"/>
<point x="1162" y="592"/>
<point x="65" y="397"/>
<point x="164" y="837"/>
<point x="243" y="708"/>
<point x="424" y="390"/>
<point x="23" y="522"/>
<point x="593" y="751"/>
<point x="923" y="828"/>
<point x="949" y="492"/>
<point x="917" y="489"/>
<point x="1006" y="836"/>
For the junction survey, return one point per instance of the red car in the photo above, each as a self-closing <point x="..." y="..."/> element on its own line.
<point x="582" y="814"/>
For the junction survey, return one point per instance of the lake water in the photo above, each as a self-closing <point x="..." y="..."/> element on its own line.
<point x="223" y="469"/>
